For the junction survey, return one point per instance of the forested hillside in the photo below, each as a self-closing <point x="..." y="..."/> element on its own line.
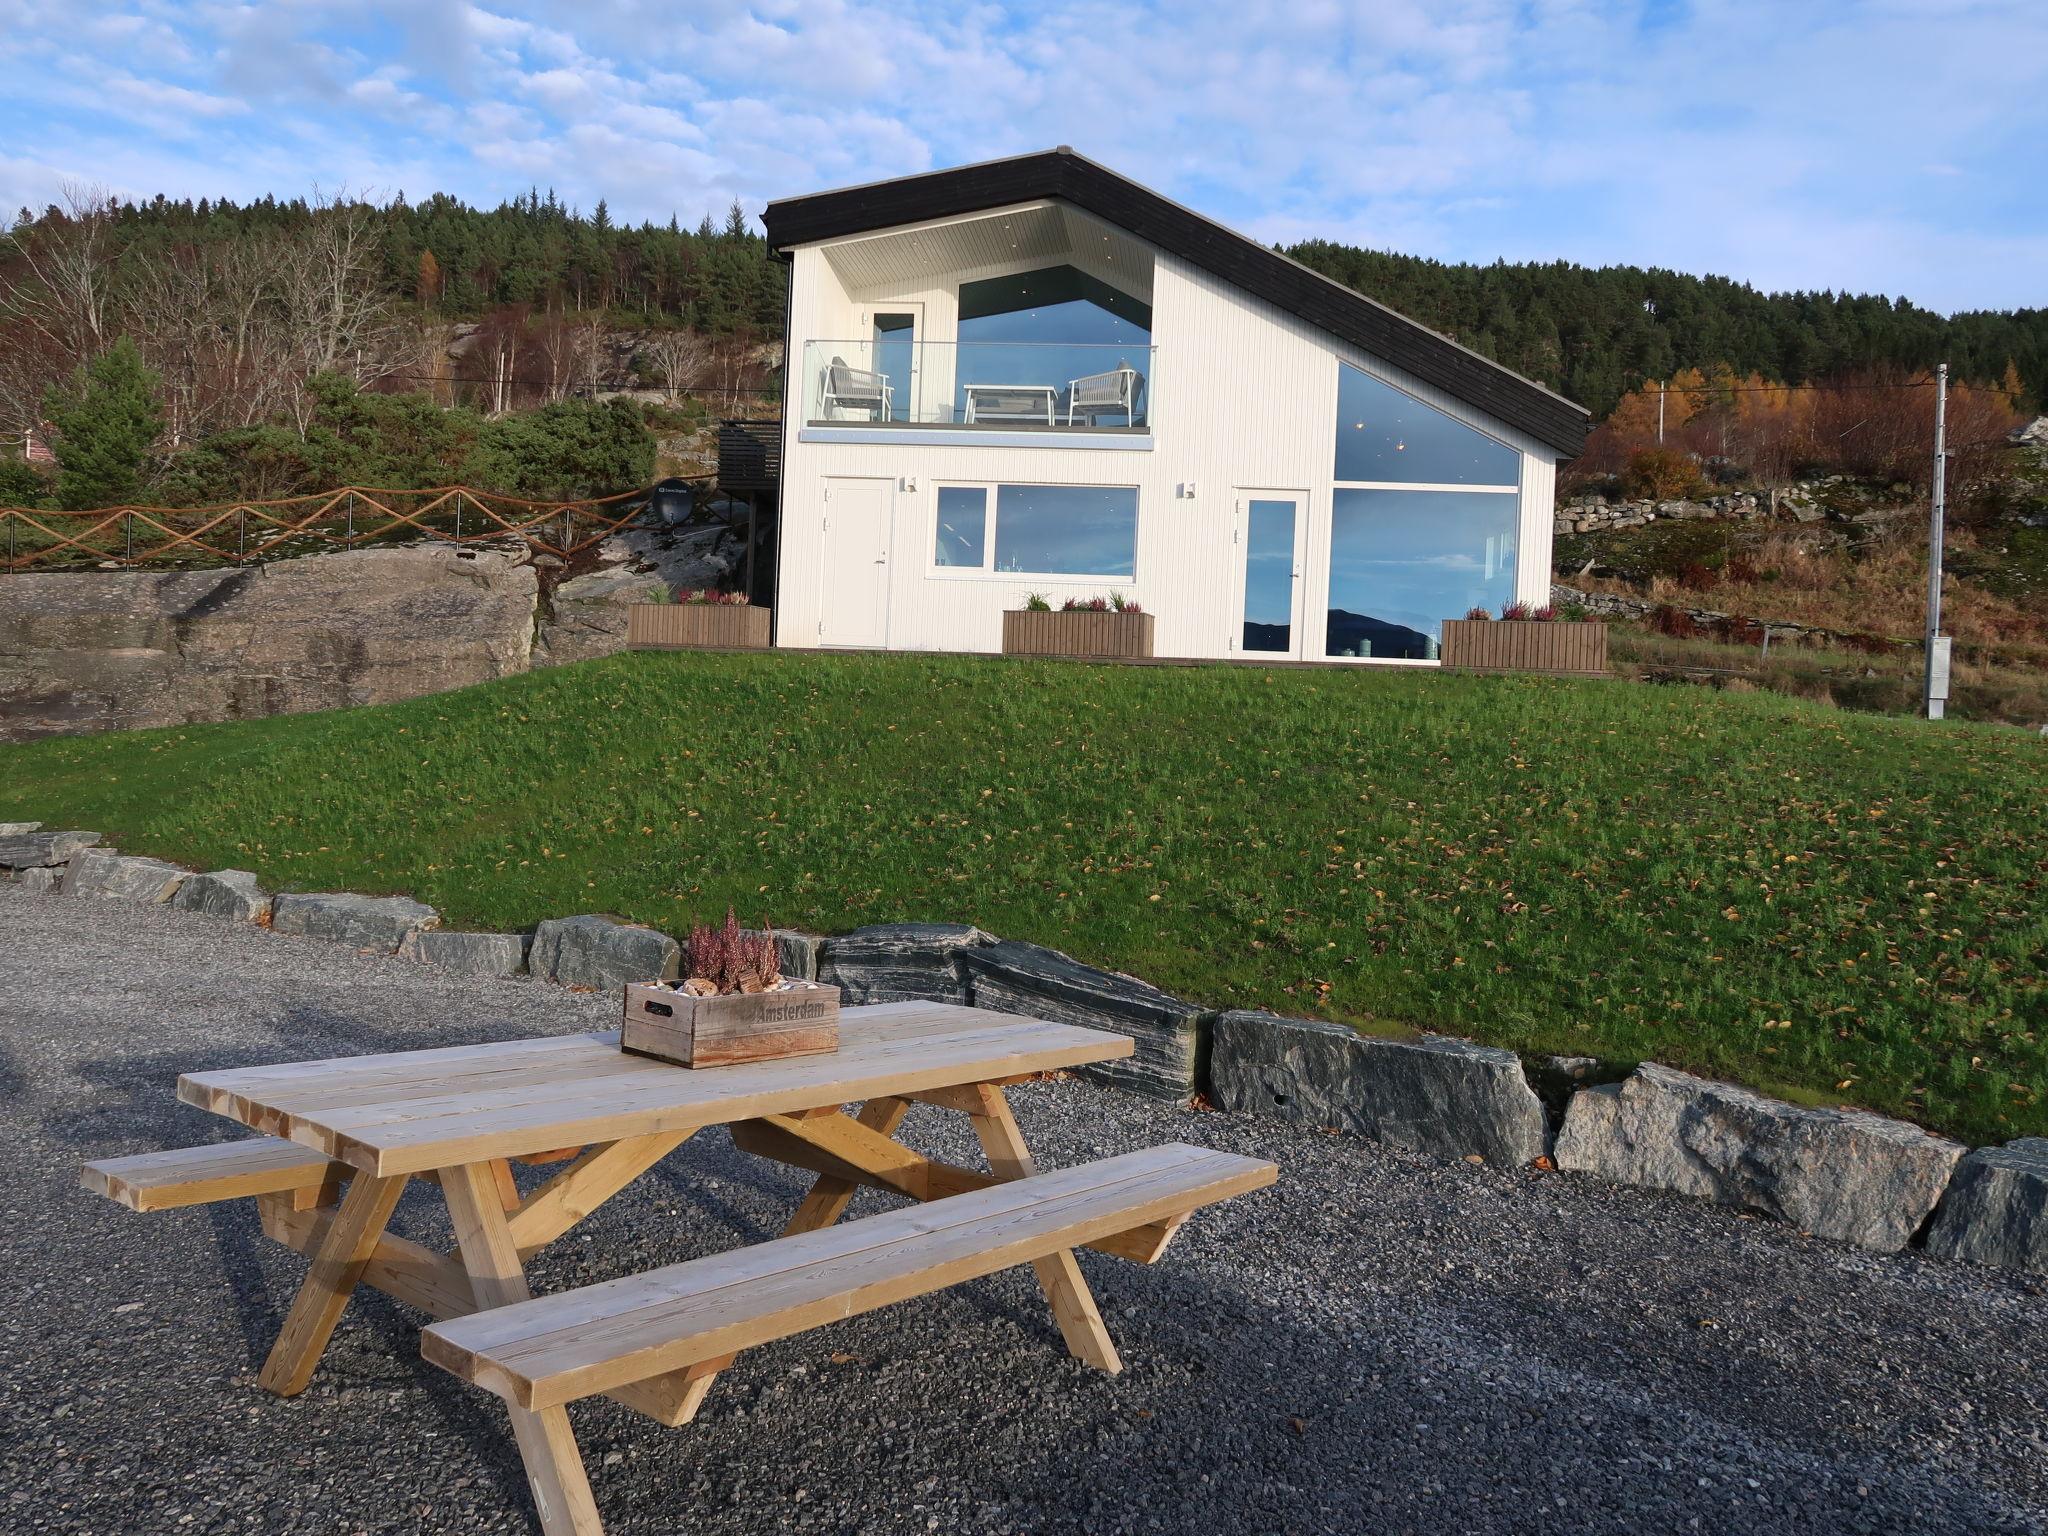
<point x="232" y="317"/>
<point x="1594" y="333"/>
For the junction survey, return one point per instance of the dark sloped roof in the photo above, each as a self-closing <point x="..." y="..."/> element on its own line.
<point x="1287" y="284"/>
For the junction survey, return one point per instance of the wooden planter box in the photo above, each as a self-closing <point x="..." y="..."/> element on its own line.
<point x="801" y="1019"/>
<point x="697" y="627"/>
<point x="1525" y="645"/>
<point x="1082" y="632"/>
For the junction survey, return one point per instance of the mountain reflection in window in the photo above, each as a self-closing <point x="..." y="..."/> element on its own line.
<point x="1401" y="562"/>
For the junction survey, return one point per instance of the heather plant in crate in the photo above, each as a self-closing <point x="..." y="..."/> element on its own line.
<point x="731" y="959"/>
<point x="734" y="1004"/>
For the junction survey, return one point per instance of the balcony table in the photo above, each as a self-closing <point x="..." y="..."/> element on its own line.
<point x="1012" y="402"/>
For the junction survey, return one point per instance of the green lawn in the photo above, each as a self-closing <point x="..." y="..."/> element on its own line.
<point x="1839" y="907"/>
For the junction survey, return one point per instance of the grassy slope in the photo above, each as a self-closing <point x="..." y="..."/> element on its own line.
<point x="1813" y="902"/>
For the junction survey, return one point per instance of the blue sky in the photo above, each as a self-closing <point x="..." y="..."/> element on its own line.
<point x="1887" y="145"/>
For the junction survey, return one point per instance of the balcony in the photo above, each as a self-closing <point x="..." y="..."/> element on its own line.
<point x="989" y="387"/>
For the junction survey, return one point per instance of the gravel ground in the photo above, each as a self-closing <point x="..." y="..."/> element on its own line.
<point x="1384" y="1343"/>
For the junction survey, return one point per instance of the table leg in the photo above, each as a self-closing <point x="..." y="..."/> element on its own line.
<point x="830" y="1195"/>
<point x="547" y="1443"/>
<point x="1059" y="1276"/>
<point x="337" y="1266"/>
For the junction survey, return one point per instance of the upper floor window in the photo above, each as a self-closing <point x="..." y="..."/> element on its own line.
<point x="1387" y="437"/>
<point x="1055" y="346"/>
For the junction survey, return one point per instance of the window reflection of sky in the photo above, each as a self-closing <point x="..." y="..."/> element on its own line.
<point x="1383" y="434"/>
<point x="1067" y="530"/>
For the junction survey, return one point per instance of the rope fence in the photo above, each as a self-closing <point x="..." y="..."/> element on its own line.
<point x="235" y="533"/>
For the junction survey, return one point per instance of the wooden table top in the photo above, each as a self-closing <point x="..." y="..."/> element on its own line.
<point x="412" y="1111"/>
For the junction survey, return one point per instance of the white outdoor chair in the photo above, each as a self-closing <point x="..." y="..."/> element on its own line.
<point x="860" y="389"/>
<point x="1111" y="393"/>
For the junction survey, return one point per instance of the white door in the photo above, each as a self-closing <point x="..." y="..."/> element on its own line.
<point x="1266" y="619"/>
<point x="855" y="606"/>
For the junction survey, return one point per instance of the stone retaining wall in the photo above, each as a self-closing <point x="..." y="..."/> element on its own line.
<point x="1845" y="1175"/>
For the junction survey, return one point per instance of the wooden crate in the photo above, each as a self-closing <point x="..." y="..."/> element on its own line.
<point x="1525" y="645"/>
<point x="1079" y="632"/>
<point x="697" y="627"/>
<point x="801" y="1019"/>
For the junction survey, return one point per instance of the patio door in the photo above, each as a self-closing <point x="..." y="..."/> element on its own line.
<point x="894" y="331"/>
<point x="854" y="594"/>
<point x="1268" y="531"/>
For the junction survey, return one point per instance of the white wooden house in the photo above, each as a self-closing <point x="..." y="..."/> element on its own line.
<point x="1034" y="376"/>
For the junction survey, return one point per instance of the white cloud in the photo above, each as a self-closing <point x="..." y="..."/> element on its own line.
<point x="1777" y="144"/>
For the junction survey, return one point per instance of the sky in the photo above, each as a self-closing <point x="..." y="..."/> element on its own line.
<point x="1885" y="146"/>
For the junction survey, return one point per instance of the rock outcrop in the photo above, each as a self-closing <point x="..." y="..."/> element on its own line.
<point x="104" y="650"/>
<point x="1428" y="1094"/>
<point x="1839" y="1173"/>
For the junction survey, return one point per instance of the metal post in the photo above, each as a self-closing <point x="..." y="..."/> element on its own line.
<point x="241" y="534"/>
<point x="1660" y="415"/>
<point x="458" y="517"/>
<point x="568" y="531"/>
<point x="1937" y="670"/>
<point x="351" y="538"/>
<point x="128" y="527"/>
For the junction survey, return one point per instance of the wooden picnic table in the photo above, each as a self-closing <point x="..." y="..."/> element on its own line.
<point x="461" y="1116"/>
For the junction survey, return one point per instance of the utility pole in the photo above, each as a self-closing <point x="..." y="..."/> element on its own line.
<point x="1660" y="415"/>
<point x="1937" y="643"/>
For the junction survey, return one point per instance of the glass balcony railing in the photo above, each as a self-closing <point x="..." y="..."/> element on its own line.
<point x="987" y="385"/>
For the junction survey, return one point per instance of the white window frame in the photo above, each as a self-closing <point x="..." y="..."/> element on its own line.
<point x="987" y="570"/>
<point x="1329" y="530"/>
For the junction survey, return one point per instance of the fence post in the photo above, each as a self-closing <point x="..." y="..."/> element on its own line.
<point x="10" y="546"/>
<point x="241" y="533"/>
<point x="128" y="525"/>
<point x="458" y="517"/>
<point x="568" y="531"/>
<point x="350" y="540"/>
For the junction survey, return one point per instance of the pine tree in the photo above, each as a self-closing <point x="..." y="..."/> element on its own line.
<point x="736" y="221"/>
<point x="107" y="417"/>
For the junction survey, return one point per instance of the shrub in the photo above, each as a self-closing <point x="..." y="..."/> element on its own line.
<point x="1660" y="474"/>
<point x="1476" y="612"/>
<point x="20" y="484"/>
<point x="1085" y="605"/>
<point x="1545" y="613"/>
<point x="1517" y="610"/>
<point x="1034" y="602"/>
<point x="712" y="598"/>
<point x="107" y="418"/>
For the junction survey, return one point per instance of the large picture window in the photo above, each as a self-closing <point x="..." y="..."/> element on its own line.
<point x="1038" y="530"/>
<point x="1424" y="521"/>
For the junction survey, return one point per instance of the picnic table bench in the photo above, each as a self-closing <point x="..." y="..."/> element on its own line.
<point x="340" y="1140"/>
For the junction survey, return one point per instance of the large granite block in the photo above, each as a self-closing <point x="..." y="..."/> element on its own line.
<point x="601" y="952"/>
<point x="367" y="922"/>
<point x="1428" y="1094"/>
<point x="1040" y="983"/>
<point x="1996" y="1208"/>
<point x="899" y="962"/>
<point x="1838" y="1173"/>
<point x="234" y="894"/>
<point x="102" y="872"/>
<point x="39" y="850"/>
<point x="469" y="954"/>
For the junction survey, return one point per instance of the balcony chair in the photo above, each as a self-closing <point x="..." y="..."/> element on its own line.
<point x="860" y="389"/>
<point x="1100" y="394"/>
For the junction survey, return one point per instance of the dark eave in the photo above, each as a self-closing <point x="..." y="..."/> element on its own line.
<point x="1282" y="282"/>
